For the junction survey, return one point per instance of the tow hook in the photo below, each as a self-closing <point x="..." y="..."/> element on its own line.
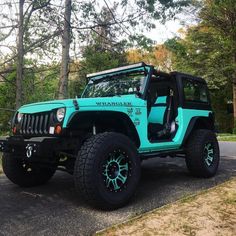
<point x="30" y="149"/>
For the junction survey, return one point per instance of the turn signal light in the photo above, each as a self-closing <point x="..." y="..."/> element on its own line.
<point x="58" y="129"/>
<point x="14" y="130"/>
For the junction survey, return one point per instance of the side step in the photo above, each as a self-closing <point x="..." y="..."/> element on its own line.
<point x="171" y="153"/>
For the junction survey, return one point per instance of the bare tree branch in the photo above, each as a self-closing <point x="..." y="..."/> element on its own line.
<point x="8" y="34"/>
<point x="8" y="26"/>
<point x="113" y="16"/>
<point x="34" y="45"/>
<point x="7" y="80"/>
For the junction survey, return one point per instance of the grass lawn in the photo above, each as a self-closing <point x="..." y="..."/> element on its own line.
<point x="210" y="212"/>
<point x="227" y="137"/>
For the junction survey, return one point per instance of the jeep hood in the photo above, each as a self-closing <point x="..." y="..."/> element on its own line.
<point x="124" y="100"/>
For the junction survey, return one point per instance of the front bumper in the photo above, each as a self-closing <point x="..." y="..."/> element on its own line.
<point x="37" y="148"/>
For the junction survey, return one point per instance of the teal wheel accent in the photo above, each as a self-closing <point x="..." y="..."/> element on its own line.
<point x="209" y="153"/>
<point x="116" y="171"/>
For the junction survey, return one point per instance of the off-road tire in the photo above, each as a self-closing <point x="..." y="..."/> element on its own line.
<point x="23" y="174"/>
<point x="195" y="156"/>
<point x="89" y="176"/>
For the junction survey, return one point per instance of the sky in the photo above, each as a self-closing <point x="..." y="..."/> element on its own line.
<point x="162" y="32"/>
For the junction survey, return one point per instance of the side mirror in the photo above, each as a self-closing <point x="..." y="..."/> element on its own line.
<point x="138" y="94"/>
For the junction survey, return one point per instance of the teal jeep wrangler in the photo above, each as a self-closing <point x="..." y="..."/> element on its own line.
<point x="125" y="115"/>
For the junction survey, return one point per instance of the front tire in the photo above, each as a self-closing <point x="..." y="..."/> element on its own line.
<point x="22" y="173"/>
<point x="107" y="170"/>
<point x="203" y="155"/>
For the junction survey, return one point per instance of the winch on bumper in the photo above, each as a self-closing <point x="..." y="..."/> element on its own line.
<point x="37" y="148"/>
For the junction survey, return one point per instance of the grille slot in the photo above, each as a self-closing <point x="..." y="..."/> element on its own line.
<point x="35" y="124"/>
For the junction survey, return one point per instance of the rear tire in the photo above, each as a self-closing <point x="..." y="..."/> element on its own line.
<point x="24" y="174"/>
<point x="203" y="155"/>
<point x="107" y="170"/>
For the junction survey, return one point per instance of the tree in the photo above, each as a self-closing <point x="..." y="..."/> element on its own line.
<point x="66" y="40"/>
<point x="103" y="51"/>
<point x="209" y="49"/>
<point x="41" y="82"/>
<point x="20" y="55"/>
<point x="157" y="55"/>
<point x="42" y="24"/>
<point x="31" y="36"/>
<point x="220" y="15"/>
<point x="120" y="18"/>
<point x="200" y="53"/>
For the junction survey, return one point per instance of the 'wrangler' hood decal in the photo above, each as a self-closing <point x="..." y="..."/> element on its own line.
<point x="116" y="101"/>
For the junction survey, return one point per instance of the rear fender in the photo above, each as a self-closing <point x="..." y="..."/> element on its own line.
<point x="199" y="123"/>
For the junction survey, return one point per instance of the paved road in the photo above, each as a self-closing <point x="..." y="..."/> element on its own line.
<point x="54" y="209"/>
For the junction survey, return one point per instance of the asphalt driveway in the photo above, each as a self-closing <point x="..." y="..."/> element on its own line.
<point x="55" y="209"/>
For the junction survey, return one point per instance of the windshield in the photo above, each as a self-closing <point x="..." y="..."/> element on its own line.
<point x="115" y="85"/>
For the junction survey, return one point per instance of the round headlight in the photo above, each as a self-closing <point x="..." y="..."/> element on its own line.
<point x="60" y="114"/>
<point x="19" y="117"/>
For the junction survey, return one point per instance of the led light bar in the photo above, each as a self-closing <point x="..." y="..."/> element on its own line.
<point x="122" y="68"/>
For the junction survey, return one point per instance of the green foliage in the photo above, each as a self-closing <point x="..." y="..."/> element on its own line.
<point x="141" y="42"/>
<point x="43" y="23"/>
<point x="234" y="130"/>
<point x="7" y="100"/>
<point x="220" y="17"/>
<point x="39" y="85"/>
<point x="179" y="54"/>
<point x="161" y="9"/>
<point x="224" y="119"/>
<point x="95" y="58"/>
<point x="200" y="53"/>
<point x="76" y="87"/>
<point x="104" y="51"/>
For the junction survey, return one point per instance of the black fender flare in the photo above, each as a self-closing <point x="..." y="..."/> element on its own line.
<point x="199" y="122"/>
<point x="94" y="116"/>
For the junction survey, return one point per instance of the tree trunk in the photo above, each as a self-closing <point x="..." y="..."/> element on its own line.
<point x="66" y="39"/>
<point x="234" y="95"/>
<point x="234" y="101"/>
<point x="20" y="56"/>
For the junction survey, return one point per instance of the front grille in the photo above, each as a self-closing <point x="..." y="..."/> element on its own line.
<point x="35" y="124"/>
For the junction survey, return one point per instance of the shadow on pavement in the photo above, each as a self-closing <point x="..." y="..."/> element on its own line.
<point x="56" y="209"/>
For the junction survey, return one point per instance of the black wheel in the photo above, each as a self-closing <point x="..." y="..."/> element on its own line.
<point x="107" y="170"/>
<point x="203" y="155"/>
<point x="24" y="174"/>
